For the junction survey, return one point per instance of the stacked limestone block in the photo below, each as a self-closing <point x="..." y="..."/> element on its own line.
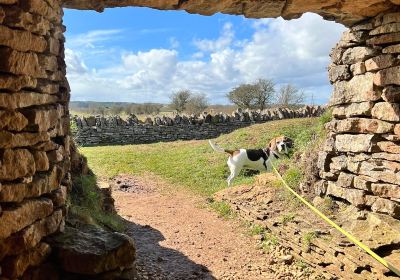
<point x="34" y="124"/>
<point x="361" y="158"/>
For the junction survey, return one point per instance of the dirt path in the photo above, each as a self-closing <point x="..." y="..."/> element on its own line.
<point x="176" y="238"/>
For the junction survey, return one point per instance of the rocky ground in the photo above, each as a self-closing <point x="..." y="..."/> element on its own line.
<point x="178" y="237"/>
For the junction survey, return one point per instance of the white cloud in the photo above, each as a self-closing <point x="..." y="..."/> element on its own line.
<point x="224" y="41"/>
<point x="92" y="38"/>
<point x="174" y="43"/>
<point x="149" y="69"/>
<point x="74" y="62"/>
<point x="286" y="51"/>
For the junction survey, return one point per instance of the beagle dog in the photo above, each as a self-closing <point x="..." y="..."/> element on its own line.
<point x="256" y="159"/>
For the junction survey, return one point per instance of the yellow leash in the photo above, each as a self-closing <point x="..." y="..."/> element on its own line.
<point x="348" y="235"/>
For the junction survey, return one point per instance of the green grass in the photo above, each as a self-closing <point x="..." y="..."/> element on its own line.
<point x="269" y="241"/>
<point x="308" y="238"/>
<point x="256" y="229"/>
<point x="287" y="218"/>
<point x="85" y="205"/>
<point x="223" y="209"/>
<point x="193" y="164"/>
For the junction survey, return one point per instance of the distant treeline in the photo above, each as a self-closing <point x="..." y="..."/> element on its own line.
<point x="122" y="108"/>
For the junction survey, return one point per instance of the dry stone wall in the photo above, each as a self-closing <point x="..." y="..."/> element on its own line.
<point x="360" y="161"/>
<point x="97" y="130"/>
<point x="34" y="128"/>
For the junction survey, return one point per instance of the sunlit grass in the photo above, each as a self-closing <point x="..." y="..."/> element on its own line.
<point x="193" y="164"/>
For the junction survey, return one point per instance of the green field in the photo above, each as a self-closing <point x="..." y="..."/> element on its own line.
<point x="193" y="164"/>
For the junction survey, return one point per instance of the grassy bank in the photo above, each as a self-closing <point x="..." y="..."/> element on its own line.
<point x="193" y="164"/>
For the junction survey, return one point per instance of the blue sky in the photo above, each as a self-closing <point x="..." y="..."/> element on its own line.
<point x="143" y="55"/>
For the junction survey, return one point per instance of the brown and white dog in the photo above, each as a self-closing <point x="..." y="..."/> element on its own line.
<point x="256" y="159"/>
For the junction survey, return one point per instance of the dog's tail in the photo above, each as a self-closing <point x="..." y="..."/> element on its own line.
<point x="218" y="148"/>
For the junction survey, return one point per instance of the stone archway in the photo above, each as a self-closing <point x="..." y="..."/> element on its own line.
<point x="360" y="162"/>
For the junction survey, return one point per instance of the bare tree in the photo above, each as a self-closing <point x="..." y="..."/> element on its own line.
<point x="264" y="93"/>
<point x="179" y="100"/>
<point x="253" y="96"/>
<point x="197" y="103"/>
<point x="289" y="95"/>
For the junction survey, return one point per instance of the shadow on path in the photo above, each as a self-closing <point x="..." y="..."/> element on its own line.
<point x="154" y="261"/>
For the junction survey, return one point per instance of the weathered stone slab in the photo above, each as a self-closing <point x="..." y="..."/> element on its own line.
<point x="54" y="46"/>
<point x="20" y="63"/>
<point x="336" y="55"/>
<point x="357" y="54"/>
<point x="8" y="169"/>
<point x="56" y="155"/>
<point x="52" y="13"/>
<point x="390" y="147"/>
<point x="376" y="230"/>
<point x="391" y="17"/>
<point x="338" y="72"/>
<point x="15" y="17"/>
<point x="30" y="236"/>
<point x="13" y="121"/>
<point x="386" y="111"/>
<point x="14" y="219"/>
<point x="43" y="120"/>
<point x="2" y="15"/>
<point x="41" y="184"/>
<point x="364" y="26"/>
<point x="23" y="41"/>
<point x="386" y="206"/>
<point x="354" y="143"/>
<point x="338" y="163"/>
<point x="397" y="129"/>
<point x="360" y="125"/>
<point x="41" y="161"/>
<point x="359" y="89"/>
<point x="384" y="39"/>
<point x="49" y="62"/>
<point x="24" y="139"/>
<point x="25" y="99"/>
<point x="391" y="137"/>
<point x="379" y="169"/>
<point x="59" y="196"/>
<point x="345" y="180"/>
<point x="16" y="83"/>
<point x="351" y="38"/>
<point x="392" y="49"/>
<point x="386" y="156"/>
<point x="91" y="250"/>
<point x="379" y="62"/>
<point x="14" y="267"/>
<point x="358" y="68"/>
<point x="391" y="94"/>
<point x="354" y="196"/>
<point x="363" y="183"/>
<point x="388" y="76"/>
<point x="386" y="28"/>
<point x="353" y="110"/>
<point x="8" y="2"/>
<point x="386" y="190"/>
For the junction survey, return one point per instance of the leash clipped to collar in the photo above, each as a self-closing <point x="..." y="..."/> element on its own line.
<point x="353" y="239"/>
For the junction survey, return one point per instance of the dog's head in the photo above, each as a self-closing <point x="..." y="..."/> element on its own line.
<point x="281" y="144"/>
